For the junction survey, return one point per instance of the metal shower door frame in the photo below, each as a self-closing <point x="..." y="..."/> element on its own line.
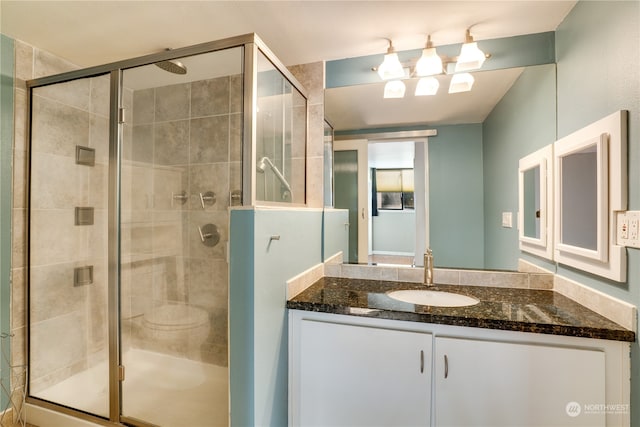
<point x="251" y="44"/>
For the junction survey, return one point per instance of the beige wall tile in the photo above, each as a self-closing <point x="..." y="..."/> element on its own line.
<point x="209" y="139"/>
<point x="53" y="293"/>
<point x="18" y="235"/>
<point x="58" y="183"/>
<point x="100" y="96"/>
<point x="24" y="63"/>
<point x="143" y="105"/>
<point x="46" y="64"/>
<point x="170" y="140"/>
<point x="210" y="97"/>
<point x="18" y="301"/>
<point x="75" y="93"/>
<point x="172" y="102"/>
<point x="58" y="128"/>
<point x="57" y="343"/>
<point x="206" y="178"/>
<point x="19" y="120"/>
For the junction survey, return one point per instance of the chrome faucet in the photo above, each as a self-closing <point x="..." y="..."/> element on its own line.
<point x="428" y="267"/>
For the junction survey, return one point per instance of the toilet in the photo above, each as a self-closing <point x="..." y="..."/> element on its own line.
<point x="176" y="329"/>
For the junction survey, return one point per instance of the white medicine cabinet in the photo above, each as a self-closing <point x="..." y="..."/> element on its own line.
<point x="590" y="186"/>
<point x="569" y="193"/>
<point x="535" y="205"/>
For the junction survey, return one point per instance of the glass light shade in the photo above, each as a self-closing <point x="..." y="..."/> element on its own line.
<point x="394" y="89"/>
<point x="471" y="58"/>
<point x="429" y="63"/>
<point x="427" y="86"/>
<point x="391" y="68"/>
<point x="462" y="82"/>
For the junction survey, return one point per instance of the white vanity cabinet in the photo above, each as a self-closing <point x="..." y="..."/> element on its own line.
<point x="487" y="383"/>
<point x="359" y="371"/>
<point x="356" y="375"/>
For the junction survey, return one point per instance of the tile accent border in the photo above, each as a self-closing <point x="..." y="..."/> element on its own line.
<point x="302" y="281"/>
<point x="445" y="276"/>
<point x="614" y="309"/>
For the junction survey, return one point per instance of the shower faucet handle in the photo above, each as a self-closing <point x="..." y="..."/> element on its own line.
<point x="209" y="198"/>
<point x="209" y="235"/>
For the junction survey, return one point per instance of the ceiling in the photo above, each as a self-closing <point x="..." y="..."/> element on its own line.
<point x="91" y="33"/>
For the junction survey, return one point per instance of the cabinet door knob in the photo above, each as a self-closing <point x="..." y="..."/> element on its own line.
<point x="446" y="366"/>
<point x="421" y="361"/>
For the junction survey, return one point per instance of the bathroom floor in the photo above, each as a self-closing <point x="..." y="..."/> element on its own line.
<point x="158" y="389"/>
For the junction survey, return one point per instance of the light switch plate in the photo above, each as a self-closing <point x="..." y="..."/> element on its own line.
<point x="507" y="219"/>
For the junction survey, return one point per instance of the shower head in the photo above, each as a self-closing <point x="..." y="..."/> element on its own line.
<point x="172" y="65"/>
<point x="262" y="167"/>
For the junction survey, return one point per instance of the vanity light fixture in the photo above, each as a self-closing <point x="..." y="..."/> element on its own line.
<point x="471" y="58"/>
<point x="430" y="62"/>
<point x="394" y="89"/>
<point x="462" y="82"/>
<point x="427" y="86"/>
<point x="391" y="68"/>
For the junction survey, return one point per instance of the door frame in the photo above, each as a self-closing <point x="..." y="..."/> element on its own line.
<point x="360" y="143"/>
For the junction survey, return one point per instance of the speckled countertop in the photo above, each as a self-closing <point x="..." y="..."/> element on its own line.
<point x="524" y="310"/>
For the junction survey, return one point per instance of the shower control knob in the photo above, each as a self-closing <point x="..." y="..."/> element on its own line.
<point x="209" y="235"/>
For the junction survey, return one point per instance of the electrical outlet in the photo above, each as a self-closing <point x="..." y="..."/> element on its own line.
<point x="628" y="229"/>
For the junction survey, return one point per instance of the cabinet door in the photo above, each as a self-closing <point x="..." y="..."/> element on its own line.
<point x="363" y="376"/>
<point x="483" y="383"/>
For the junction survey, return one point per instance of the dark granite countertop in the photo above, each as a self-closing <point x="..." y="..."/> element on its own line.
<point x="524" y="310"/>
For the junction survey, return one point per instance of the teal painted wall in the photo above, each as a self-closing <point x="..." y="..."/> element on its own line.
<point x="258" y="342"/>
<point x="335" y="233"/>
<point x="241" y="306"/>
<point x="521" y="123"/>
<point x="598" y="60"/>
<point x="394" y="232"/>
<point x="456" y="197"/>
<point x="6" y="155"/>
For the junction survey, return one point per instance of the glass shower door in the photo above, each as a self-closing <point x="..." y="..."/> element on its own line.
<point x="181" y="164"/>
<point x="68" y="321"/>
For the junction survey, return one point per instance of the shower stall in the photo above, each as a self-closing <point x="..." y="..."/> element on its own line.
<point x="134" y="168"/>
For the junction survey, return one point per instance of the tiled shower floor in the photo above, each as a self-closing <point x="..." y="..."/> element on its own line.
<point x="159" y="389"/>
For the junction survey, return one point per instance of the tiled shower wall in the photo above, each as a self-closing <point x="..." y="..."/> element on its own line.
<point x="54" y="215"/>
<point x="185" y="139"/>
<point x="32" y="62"/>
<point x="68" y="320"/>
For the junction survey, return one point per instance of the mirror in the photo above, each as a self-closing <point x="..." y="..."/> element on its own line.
<point x="531" y="212"/>
<point x="591" y="185"/>
<point x="584" y="202"/>
<point x="535" y="203"/>
<point x="472" y="158"/>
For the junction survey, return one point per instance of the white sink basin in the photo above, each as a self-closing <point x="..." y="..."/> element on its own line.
<point x="433" y="298"/>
